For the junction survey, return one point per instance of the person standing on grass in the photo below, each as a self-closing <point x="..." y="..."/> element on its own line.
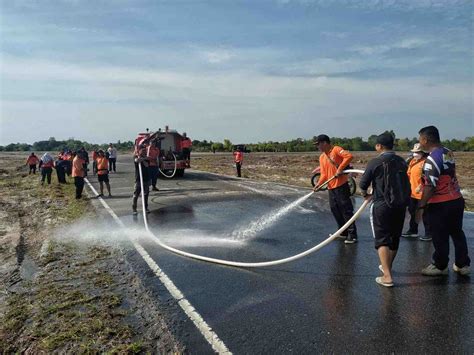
<point x="102" y="165"/>
<point x="415" y="175"/>
<point x="31" y="162"/>
<point x="443" y="204"/>
<point x="78" y="173"/>
<point x="153" y="153"/>
<point x="332" y="162"/>
<point x="112" y="157"/>
<point x="387" y="174"/>
<point x="46" y="164"/>
<point x="142" y="159"/>
<point x="238" y="159"/>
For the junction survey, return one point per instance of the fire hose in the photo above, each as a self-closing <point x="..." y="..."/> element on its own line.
<point x="162" y="172"/>
<point x="264" y="263"/>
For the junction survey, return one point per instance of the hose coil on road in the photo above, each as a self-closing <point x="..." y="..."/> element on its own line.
<point x="161" y="171"/>
<point x="257" y="264"/>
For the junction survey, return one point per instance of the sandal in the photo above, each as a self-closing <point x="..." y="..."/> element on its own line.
<point x="380" y="281"/>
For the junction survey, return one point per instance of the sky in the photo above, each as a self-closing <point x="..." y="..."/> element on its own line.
<point x="248" y="71"/>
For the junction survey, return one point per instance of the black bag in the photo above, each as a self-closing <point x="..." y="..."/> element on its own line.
<point x="397" y="190"/>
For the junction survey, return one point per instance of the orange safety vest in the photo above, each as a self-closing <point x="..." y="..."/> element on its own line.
<point x="49" y="164"/>
<point x="415" y="174"/>
<point x="336" y="160"/>
<point x="153" y="153"/>
<point x="238" y="157"/>
<point x="32" y="160"/>
<point x="78" y="167"/>
<point x="186" y="143"/>
<point x="102" y="165"/>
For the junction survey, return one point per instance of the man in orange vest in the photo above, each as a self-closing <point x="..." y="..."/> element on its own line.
<point x="186" y="146"/>
<point x="141" y="159"/>
<point x="78" y="173"/>
<point x="238" y="159"/>
<point x="153" y="153"/>
<point x="32" y="161"/>
<point x="102" y="165"/>
<point x="332" y="162"/>
<point x="415" y="174"/>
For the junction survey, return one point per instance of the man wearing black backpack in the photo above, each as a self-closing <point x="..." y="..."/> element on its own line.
<point x="443" y="204"/>
<point x="387" y="174"/>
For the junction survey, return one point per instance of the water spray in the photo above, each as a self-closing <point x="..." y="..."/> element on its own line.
<point x="264" y="263"/>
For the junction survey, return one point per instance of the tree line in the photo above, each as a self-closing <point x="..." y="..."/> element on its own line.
<point x="295" y="145"/>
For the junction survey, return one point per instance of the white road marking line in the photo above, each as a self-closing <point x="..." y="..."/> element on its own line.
<point x="211" y="337"/>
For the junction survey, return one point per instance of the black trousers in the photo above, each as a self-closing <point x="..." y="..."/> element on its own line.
<point x="387" y="224"/>
<point x="238" y="166"/>
<point x="79" y="183"/>
<point x="153" y="170"/>
<point x="413" y="225"/>
<point x="137" y="192"/>
<point x="445" y="220"/>
<point x="112" y="164"/>
<point x="32" y="168"/>
<point x="187" y="154"/>
<point x="46" y="174"/>
<point x="342" y="208"/>
<point x="61" y="173"/>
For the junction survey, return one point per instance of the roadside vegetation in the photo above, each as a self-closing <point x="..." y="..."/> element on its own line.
<point x="62" y="295"/>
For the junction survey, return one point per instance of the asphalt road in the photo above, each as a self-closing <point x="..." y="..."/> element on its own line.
<point x="325" y="302"/>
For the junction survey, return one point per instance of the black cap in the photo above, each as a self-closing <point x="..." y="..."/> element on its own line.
<point x="322" y="138"/>
<point x="385" y="139"/>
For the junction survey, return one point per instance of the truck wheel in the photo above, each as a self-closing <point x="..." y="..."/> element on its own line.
<point x="314" y="181"/>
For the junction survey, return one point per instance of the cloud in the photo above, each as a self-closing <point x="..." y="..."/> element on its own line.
<point x="405" y="44"/>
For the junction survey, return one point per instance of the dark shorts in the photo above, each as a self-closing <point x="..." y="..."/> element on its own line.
<point x="103" y="178"/>
<point x="387" y="225"/>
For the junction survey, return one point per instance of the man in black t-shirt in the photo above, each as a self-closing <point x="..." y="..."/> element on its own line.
<point x="386" y="216"/>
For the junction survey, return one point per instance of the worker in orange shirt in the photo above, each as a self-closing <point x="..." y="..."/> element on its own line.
<point x="186" y="146"/>
<point x="332" y="162"/>
<point x="238" y="159"/>
<point x="31" y="162"/>
<point x="415" y="174"/>
<point x="153" y="154"/>
<point x="78" y="173"/>
<point x="94" y="162"/>
<point x="102" y="165"/>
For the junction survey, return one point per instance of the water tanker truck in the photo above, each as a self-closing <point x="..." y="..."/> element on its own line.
<point x="172" y="158"/>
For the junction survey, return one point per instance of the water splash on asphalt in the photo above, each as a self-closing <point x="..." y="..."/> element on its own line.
<point x="266" y="221"/>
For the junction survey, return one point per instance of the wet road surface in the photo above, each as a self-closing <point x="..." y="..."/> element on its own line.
<point x="325" y="302"/>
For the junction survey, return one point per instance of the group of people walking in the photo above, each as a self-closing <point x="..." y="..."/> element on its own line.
<point x="426" y="185"/>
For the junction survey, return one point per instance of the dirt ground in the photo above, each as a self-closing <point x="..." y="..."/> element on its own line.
<point x="59" y="295"/>
<point x="296" y="168"/>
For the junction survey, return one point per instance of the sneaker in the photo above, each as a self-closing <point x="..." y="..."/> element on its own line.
<point x="465" y="270"/>
<point x="432" y="270"/>
<point x="425" y="238"/>
<point x="155" y="188"/>
<point x="148" y="211"/>
<point x="410" y="234"/>
<point x="350" y="240"/>
<point x="134" y="212"/>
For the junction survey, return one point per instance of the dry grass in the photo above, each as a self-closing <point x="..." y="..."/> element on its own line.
<point x="295" y="168"/>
